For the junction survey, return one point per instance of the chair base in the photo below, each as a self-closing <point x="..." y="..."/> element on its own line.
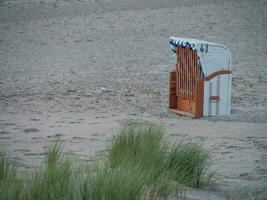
<point x="179" y="112"/>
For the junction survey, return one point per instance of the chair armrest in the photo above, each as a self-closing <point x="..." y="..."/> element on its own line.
<point x="208" y="78"/>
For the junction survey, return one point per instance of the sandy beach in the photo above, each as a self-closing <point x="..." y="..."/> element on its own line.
<point x="75" y="70"/>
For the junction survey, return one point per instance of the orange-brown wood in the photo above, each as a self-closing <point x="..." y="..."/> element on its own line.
<point x="184" y="82"/>
<point x="186" y="105"/>
<point x="172" y="91"/>
<point x="208" y="78"/>
<point x="178" y="83"/>
<point x="186" y="73"/>
<point x="182" y="112"/>
<point x="199" y="97"/>
<point x="191" y="68"/>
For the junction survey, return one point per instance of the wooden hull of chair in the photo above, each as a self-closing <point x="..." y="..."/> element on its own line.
<point x="186" y="87"/>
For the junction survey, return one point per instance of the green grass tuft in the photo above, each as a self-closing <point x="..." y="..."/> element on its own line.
<point x="137" y="144"/>
<point x="10" y="184"/>
<point x="145" y="145"/>
<point x="188" y="164"/>
<point x="54" y="179"/>
<point x="108" y="184"/>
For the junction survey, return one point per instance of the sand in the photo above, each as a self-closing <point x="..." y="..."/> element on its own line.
<point x="74" y="70"/>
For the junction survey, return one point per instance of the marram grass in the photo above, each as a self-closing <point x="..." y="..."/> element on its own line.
<point x="146" y="146"/>
<point x="188" y="164"/>
<point x="108" y="184"/>
<point x="140" y="164"/>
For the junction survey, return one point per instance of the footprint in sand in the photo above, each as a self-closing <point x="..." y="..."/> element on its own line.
<point x="5" y="138"/>
<point x="58" y="135"/>
<point x="4" y="132"/>
<point x="261" y="170"/>
<point x="246" y="176"/>
<point x="93" y="139"/>
<point x="7" y="124"/>
<point x="18" y="127"/>
<point x="201" y="138"/>
<point x="77" y="138"/>
<point x="226" y="152"/>
<point x="96" y="135"/>
<point x="231" y="147"/>
<point x="30" y="130"/>
<point x="60" y="122"/>
<point x="37" y="139"/>
<point x="57" y="138"/>
<point x="251" y="137"/>
<point x="174" y="134"/>
<point x="74" y="122"/>
<point x="34" y="154"/>
<point x="35" y="119"/>
<point x="21" y="150"/>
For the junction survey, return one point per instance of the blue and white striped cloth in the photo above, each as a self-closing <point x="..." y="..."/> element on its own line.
<point x="181" y="43"/>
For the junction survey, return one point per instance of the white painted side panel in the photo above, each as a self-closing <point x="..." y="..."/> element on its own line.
<point x="206" y="99"/>
<point x="224" y="92"/>
<point x="229" y="94"/>
<point x="212" y="62"/>
<point x="218" y="86"/>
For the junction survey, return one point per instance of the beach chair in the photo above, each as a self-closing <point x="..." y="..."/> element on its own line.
<point x="200" y="85"/>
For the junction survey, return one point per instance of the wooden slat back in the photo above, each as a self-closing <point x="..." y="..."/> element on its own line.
<point x="187" y="71"/>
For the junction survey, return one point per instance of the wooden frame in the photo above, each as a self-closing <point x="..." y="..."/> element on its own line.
<point x="186" y="86"/>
